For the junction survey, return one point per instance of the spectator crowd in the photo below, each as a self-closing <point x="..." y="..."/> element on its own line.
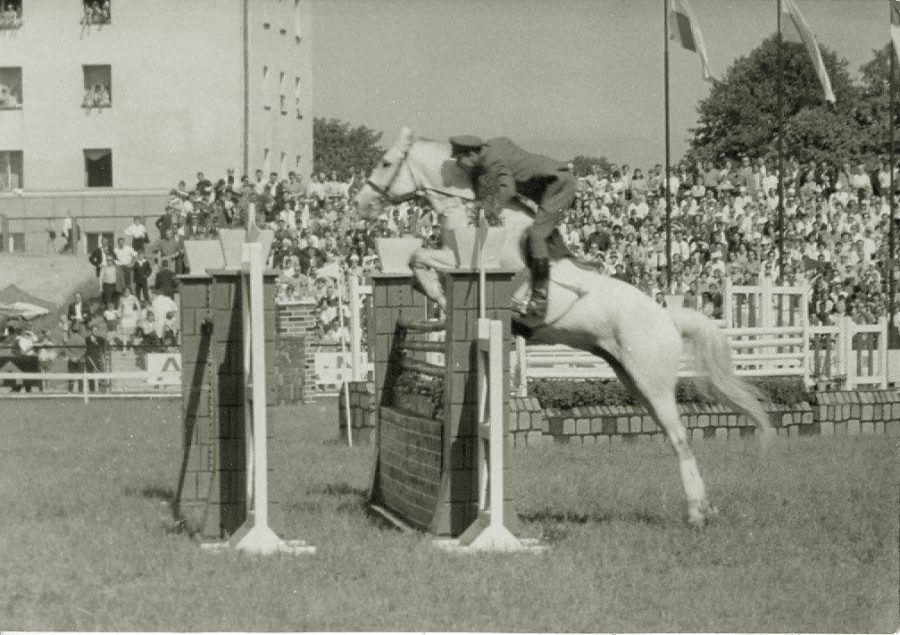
<point x="724" y="227"/>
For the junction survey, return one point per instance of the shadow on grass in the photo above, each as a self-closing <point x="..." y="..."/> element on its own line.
<point x="165" y="496"/>
<point x="641" y="517"/>
<point x="162" y="494"/>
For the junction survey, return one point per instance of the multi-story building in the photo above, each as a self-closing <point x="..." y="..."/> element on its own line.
<point x="106" y="105"/>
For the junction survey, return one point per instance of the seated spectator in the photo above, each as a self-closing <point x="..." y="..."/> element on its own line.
<point x="7" y="98"/>
<point x="111" y="317"/>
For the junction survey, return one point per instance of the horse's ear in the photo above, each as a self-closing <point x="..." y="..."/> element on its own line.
<point x="407" y="137"/>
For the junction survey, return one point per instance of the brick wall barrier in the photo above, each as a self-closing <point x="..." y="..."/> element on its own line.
<point x="825" y="414"/>
<point x="295" y="324"/>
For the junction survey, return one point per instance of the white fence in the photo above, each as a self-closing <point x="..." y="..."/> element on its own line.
<point x="767" y="326"/>
<point x="851" y="354"/>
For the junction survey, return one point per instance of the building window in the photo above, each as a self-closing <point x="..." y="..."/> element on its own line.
<point x="265" y="160"/>
<point x="97" y="87"/>
<point x="10" y="87"/>
<point x="297" y="31"/>
<point x="96" y="12"/>
<point x="297" y="166"/>
<point x="297" y="100"/>
<point x="10" y="14"/>
<point x="283" y="168"/>
<point x="265" y="90"/>
<point x="282" y="98"/>
<point x="93" y="240"/>
<point x="98" y="168"/>
<point x="11" y="170"/>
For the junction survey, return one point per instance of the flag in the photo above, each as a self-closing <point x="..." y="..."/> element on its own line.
<point x="684" y="29"/>
<point x="802" y="34"/>
<point x="331" y="270"/>
<point x="895" y="25"/>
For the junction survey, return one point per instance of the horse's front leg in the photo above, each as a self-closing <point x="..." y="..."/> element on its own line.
<point x="425" y="264"/>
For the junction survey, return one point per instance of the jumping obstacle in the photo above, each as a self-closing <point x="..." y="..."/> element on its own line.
<point x="444" y="475"/>
<point x="227" y="317"/>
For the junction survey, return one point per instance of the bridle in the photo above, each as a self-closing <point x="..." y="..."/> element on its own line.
<point x="385" y="193"/>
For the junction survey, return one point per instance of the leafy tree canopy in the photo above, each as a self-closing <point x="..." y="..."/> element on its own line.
<point x="584" y="165"/>
<point x="340" y="147"/>
<point x="740" y="115"/>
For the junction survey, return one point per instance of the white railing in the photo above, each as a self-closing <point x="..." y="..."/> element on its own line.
<point x="85" y="381"/>
<point x="848" y="353"/>
<point x="767" y="326"/>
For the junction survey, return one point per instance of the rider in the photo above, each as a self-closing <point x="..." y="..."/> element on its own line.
<point x="500" y="170"/>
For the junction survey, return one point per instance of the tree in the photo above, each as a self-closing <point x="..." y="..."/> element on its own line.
<point x="583" y="165"/>
<point x="872" y="113"/>
<point x="339" y="146"/>
<point x="740" y="115"/>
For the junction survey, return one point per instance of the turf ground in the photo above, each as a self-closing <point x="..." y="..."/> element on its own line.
<point x="807" y="539"/>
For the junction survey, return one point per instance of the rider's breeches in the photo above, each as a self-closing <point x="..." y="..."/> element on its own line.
<point x="556" y="200"/>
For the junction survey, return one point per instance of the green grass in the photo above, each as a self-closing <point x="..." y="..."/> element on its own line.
<point x="807" y="539"/>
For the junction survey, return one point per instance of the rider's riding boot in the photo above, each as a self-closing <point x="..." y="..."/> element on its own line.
<point x="540" y="279"/>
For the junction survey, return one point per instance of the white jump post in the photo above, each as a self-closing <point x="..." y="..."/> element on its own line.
<point x="488" y="532"/>
<point x="255" y="536"/>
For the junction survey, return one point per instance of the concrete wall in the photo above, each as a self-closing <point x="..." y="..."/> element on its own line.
<point x="177" y="86"/>
<point x="176" y="92"/>
<point x="280" y="35"/>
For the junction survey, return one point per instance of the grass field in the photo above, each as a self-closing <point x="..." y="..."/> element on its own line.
<point x="807" y="538"/>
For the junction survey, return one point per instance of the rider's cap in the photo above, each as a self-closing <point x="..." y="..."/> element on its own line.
<point x="465" y="143"/>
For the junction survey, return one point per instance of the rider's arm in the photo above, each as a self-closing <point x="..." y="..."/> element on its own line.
<point x="499" y="186"/>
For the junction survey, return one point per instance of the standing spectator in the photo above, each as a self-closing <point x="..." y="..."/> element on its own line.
<point x="164" y="312"/>
<point x="51" y="236"/>
<point x="165" y="281"/>
<point x="169" y="247"/>
<point x="104" y="261"/>
<point x="75" y="345"/>
<point x="138" y="233"/>
<point x="94" y="354"/>
<point x="125" y="257"/>
<point x="78" y="312"/>
<point x="68" y="233"/>
<point x="141" y="273"/>
<point x="129" y="312"/>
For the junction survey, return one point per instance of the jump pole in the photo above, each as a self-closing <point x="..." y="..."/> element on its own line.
<point x="255" y="536"/>
<point x="488" y="531"/>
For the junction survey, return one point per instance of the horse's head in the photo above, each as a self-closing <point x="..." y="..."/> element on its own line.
<point x="391" y="179"/>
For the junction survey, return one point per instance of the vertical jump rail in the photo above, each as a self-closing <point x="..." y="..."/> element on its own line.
<point x="488" y="532"/>
<point x="255" y="536"/>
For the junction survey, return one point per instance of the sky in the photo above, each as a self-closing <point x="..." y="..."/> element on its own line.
<point x="559" y="77"/>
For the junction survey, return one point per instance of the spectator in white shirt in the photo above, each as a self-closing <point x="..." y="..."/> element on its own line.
<point x="125" y="257"/>
<point x="138" y="233"/>
<point x="164" y="313"/>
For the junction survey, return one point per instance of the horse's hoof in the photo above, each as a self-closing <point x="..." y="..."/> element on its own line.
<point x="700" y="515"/>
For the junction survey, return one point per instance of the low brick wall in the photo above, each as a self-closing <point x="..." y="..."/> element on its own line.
<point x="295" y="327"/>
<point x="608" y="425"/>
<point x="857" y="412"/>
<point x="826" y="414"/>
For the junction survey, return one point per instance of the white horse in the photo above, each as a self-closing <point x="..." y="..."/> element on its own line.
<point x="640" y="340"/>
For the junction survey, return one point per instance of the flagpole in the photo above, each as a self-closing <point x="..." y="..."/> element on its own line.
<point x="780" y="92"/>
<point x="891" y="259"/>
<point x="668" y="162"/>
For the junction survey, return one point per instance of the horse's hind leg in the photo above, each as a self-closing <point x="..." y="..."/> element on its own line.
<point x="654" y="386"/>
<point x="665" y="412"/>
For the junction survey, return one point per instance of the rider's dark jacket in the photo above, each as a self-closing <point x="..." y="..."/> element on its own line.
<point x="503" y="170"/>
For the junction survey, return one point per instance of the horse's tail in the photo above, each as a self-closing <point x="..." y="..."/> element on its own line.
<point x="715" y="370"/>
